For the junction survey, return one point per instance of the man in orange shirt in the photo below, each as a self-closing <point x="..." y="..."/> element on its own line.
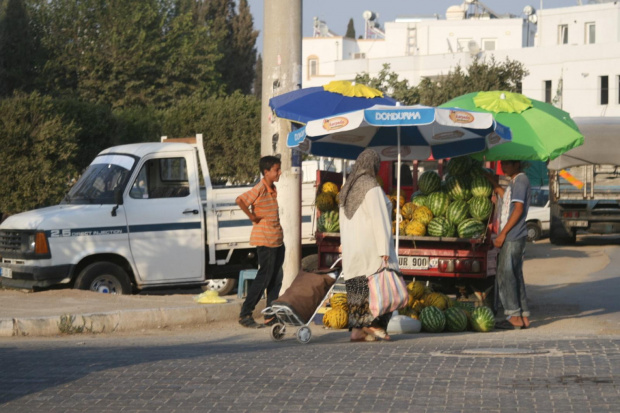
<point x="260" y="204"/>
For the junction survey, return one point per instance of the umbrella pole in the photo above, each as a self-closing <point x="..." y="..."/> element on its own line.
<point x="397" y="190"/>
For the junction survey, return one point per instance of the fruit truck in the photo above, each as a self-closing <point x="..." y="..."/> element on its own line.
<point x="451" y="263"/>
<point x="584" y="183"/>
<point x="138" y="217"/>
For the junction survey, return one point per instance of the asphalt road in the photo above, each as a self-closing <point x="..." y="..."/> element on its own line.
<point x="569" y="361"/>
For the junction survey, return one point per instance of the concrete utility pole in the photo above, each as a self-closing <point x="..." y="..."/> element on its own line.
<point x="281" y="74"/>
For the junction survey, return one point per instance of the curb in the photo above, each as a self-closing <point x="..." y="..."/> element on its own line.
<point x="119" y="321"/>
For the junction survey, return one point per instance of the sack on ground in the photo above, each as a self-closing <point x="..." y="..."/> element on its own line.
<point x="306" y="293"/>
<point x="387" y="292"/>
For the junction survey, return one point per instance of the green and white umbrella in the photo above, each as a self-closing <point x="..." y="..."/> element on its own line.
<point x="540" y="131"/>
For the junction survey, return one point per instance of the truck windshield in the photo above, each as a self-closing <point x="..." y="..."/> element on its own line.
<point x="97" y="184"/>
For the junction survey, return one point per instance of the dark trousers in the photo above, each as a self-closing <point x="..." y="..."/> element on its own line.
<point x="269" y="276"/>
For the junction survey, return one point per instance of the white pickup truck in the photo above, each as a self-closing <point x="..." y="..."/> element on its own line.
<point x="138" y="217"/>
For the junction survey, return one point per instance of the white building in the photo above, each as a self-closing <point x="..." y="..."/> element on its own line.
<point x="572" y="53"/>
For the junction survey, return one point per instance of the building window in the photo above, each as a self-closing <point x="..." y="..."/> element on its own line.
<point x="359" y="55"/>
<point x="590" y="33"/>
<point x="547" y="91"/>
<point x="313" y="66"/>
<point x="604" y="90"/>
<point x="563" y="34"/>
<point x="488" y="44"/>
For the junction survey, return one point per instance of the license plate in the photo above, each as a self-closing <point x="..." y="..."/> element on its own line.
<point x="6" y="272"/>
<point x="578" y="223"/>
<point x="413" y="263"/>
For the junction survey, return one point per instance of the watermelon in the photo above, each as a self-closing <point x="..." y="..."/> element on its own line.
<point x="471" y="228"/>
<point x="329" y="222"/>
<point x="458" y="211"/>
<point x="459" y="165"/>
<point x="438" y="203"/>
<point x="456" y="319"/>
<point x="429" y="182"/>
<point x="440" y="227"/>
<point x="480" y="207"/>
<point x="466" y="306"/>
<point x="482" y="319"/>
<point x="480" y="186"/>
<point x="432" y="319"/>
<point x="419" y="200"/>
<point x="457" y="188"/>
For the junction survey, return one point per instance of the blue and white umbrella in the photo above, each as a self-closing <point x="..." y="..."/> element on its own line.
<point x="401" y="132"/>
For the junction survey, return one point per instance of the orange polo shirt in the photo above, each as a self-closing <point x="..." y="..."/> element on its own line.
<point x="262" y="201"/>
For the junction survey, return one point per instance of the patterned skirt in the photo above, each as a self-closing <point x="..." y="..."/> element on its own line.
<point x="357" y="300"/>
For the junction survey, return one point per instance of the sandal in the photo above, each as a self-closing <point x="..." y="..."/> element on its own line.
<point x="506" y="325"/>
<point x="270" y="321"/>
<point x="378" y="333"/>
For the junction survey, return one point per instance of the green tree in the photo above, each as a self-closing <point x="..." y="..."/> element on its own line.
<point x="18" y="49"/>
<point x="243" y="54"/>
<point x="38" y="150"/>
<point x="236" y="41"/>
<point x="480" y="75"/>
<point x="96" y="124"/>
<point x="389" y="83"/>
<point x="127" y="53"/>
<point x="350" y="30"/>
<point x="231" y="128"/>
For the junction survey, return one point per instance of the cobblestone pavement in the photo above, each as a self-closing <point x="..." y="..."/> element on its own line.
<point x="226" y="368"/>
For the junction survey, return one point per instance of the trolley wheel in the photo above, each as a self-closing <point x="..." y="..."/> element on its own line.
<point x="304" y="335"/>
<point x="277" y="332"/>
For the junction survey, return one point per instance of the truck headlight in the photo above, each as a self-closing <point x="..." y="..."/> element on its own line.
<point x="36" y="243"/>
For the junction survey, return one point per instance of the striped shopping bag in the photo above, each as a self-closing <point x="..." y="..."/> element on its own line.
<point x="387" y="292"/>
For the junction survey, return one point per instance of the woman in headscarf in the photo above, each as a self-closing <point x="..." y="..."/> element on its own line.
<point x="367" y="243"/>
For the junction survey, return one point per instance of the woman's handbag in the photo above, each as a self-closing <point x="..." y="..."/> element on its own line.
<point x="387" y="292"/>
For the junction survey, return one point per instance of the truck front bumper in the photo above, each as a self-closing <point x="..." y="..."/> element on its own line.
<point x="26" y="276"/>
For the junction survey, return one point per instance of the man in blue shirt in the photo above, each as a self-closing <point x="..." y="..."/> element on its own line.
<point x="514" y="201"/>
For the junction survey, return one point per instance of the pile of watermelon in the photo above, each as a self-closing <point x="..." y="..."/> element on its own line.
<point x="438" y="312"/>
<point x="459" y="206"/>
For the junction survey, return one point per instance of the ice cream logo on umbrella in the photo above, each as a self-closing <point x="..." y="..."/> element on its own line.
<point x="392" y="152"/>
<point x="348" y="138"/>
<point x="450" y="135"/>
<point x="494" y="138"/>
<point x="336" y="123"/>
<point x="461" y="117"/>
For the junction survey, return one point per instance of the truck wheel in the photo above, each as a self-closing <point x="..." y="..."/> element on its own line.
<point x="533" y="231"/>
<point x="310" y="263"/>
<point x="104" y="277"/>
<point x="223" y="286"/>
<point x="562" y="237"/>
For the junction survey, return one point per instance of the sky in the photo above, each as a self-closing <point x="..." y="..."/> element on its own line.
<point x="336" y="13"/>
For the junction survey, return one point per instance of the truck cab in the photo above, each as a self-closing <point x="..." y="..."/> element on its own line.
<point x="141" y="216"/>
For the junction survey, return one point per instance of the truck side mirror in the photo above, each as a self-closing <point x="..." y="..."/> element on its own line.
<point x="118" y="198"/>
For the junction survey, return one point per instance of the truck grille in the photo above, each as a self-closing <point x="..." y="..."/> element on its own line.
<point x="11" y="240"/>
